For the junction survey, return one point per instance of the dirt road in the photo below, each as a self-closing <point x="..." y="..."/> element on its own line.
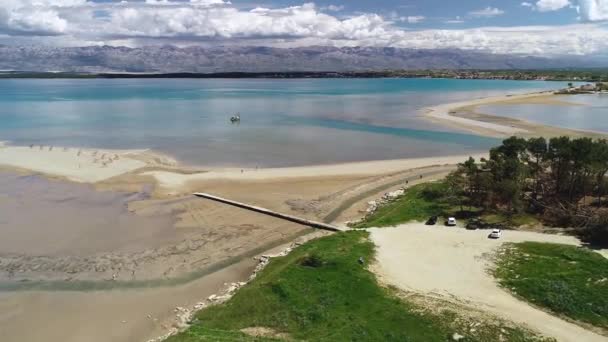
<point x="452" y="263"/>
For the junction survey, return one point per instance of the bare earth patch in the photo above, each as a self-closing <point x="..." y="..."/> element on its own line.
<point x="264" y="332"/>
<point x="452" y="264"/>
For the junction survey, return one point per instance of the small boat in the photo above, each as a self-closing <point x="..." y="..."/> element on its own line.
<point x="235" y="118"/>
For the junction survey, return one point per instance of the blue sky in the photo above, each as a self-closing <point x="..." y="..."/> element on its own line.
<point x="529" y="27"/>
<point x="437" y="12"/>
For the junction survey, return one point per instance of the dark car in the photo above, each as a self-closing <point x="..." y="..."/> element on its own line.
<point x="474" y="224"/>
<point x="431" y="221"/>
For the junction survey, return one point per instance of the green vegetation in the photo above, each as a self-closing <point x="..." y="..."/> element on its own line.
<point x="438" y="199"/>
<point x="568" y="280"/>
<point x="321" y="292"/>
<point x="417" y="204"/>
<point x="200" y="333"/>
<point x="562" y="182"/>
<point x="513" y="220"/>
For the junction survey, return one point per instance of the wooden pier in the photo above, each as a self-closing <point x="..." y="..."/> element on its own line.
<point x="286" y="217"/>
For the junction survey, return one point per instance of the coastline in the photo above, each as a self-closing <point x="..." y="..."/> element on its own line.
<point x="216" y="233"/>
<point x="465" y="115"/>
<point x="213" y="234"/>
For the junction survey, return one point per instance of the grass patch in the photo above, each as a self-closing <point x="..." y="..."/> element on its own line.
<point x="418" y="204"/>
<point x="514" y="220"/>
<point x="430" y="199"/>
<point x="567" y="280"/>
<point x="199" y="333"/>
<point x="320" y="292"/>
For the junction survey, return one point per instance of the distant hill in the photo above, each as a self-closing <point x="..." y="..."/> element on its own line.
<point x="169" y="59"/>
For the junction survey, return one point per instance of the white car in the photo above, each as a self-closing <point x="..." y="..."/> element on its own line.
<point x="451" y="222"/>
<point x="495" y="234"/>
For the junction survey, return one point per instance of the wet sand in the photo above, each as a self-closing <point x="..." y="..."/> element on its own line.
<point x="99" y="316"/>
<point x="138" y="251"/>
<point x="72" y="219"/>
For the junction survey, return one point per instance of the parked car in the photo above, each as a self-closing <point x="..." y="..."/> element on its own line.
<point x="451" y="222"/>
<point x="431" y="221"/>
<point x="474" y="224"/>
<point x="495" y="234"/>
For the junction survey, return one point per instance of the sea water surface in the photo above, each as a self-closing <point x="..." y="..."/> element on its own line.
<point x="588" y="112"/>
<point x="284" y="122"/>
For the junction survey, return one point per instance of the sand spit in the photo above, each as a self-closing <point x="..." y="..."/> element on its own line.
<point x="177" y="182"/>
<point x="78" y="165"/>
<point x="464" y="115"/>
<point x="456" y="269"/>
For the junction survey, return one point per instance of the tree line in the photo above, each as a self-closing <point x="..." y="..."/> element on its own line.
<point x="562" y="180"/>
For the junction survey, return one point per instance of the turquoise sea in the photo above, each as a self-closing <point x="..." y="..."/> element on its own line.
<point x="588" y="112"/>
<point x="284" y="122"/>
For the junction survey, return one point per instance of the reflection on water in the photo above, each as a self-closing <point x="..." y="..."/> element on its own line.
<point x="589" y="112"/>
<point x="42" y="217"/>
<point x="284" y="122"/>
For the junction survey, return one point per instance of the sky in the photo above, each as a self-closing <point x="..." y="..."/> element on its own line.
<point x="531" y="27"/>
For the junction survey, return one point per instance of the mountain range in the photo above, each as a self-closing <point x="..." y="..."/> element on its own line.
<point x="170" y="59"/>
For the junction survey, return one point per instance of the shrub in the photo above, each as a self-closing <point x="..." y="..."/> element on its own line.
<point x="596" y="231"/>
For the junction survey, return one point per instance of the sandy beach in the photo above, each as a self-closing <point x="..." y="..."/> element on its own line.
<point x="74" y="164"/>
<point x="465" y="115"/>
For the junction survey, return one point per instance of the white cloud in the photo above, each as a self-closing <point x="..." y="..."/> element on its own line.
<point x="457" y="20"/>
<point x="593" y="10"/>
<point x="551" y="5"/>
<point x="527" y="4"/>
<point x="333" y="8"/>
<point x="73" y="22"/>
<point x="40" y="17"/>
<point x="413" y="19"/>
<point x="487" y="12"/>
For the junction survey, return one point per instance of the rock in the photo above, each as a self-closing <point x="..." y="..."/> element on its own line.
<point x="457" y="337"/>
<point x="394" y="194"/>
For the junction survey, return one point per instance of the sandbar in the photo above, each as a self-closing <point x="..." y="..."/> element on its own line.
<point x="78" y="165"/>
<point x="465" y="115"/>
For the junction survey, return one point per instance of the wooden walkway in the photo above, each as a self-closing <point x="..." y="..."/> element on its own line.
<point x="290" y="218"/>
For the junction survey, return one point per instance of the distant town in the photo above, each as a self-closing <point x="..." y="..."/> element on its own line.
<point x="581" y="75"/>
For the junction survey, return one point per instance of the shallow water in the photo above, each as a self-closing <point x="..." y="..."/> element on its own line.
<point x="284" y="122"/>
<point x="56" y="218"/>
<point x="589" y="113"/>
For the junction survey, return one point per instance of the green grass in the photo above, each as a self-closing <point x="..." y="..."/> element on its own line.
<point x="418" y="204"/>
<point x="515" y="220"/>
<point x="320" y="292"/>
<point x="429" y="199"/>
<point x="567" y="280"/>
<point x="200" y="333"/>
